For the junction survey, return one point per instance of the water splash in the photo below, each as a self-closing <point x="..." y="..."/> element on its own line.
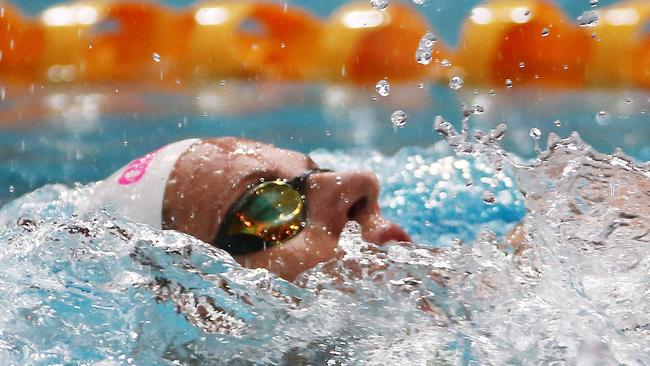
<point x="571" y="286"/>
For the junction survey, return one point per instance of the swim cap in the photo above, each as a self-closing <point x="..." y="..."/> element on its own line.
<point x="137" y="190"/>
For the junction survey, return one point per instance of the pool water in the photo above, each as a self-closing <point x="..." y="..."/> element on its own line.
<point x="98" y="289"/>
<point x="84" y="134"/>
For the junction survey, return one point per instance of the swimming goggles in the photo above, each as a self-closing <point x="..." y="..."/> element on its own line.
<point x="266" y="215"/>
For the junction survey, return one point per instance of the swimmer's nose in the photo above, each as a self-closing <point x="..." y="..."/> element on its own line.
<point x="334" y="198"/>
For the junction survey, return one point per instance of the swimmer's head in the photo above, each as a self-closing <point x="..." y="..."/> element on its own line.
<point x="270" y="208"/>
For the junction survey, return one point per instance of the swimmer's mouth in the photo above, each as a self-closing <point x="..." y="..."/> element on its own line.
<point x="382" y="231"/>
<point x="388" y="232"/>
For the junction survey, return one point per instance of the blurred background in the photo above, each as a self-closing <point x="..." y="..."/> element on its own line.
<point x="446" y="16"/>
<point x="81" y="132"/>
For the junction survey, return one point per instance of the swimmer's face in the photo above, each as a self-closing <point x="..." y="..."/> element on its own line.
<point x="210" y="178"/>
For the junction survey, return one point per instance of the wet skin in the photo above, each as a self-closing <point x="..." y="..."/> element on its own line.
<point x="211" y="176"/>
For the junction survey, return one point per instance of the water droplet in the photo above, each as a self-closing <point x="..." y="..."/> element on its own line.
<point x="488" y="197"/>
<point x="379" y="4"/>
<point x="535" y="133"/>
<point x="473" y="109"/>
<point x="398" y="118"/>
<point x="427" y="41"/>
<point x="522" y="65"/>
<point x="155" y="57"/>
<point x="545" y="32"/>
<point x="423" y="56"/>
<point x="338" y="179"/>
<point x="509" y="83"/>
<point x="456" y="82"/>
<point x="424" y="53"/>
<point x="499" y="131"/>
<point x="383" y="87"/>
<point x="557" y="123"/>
<point x="421" y="86"/>
<point x="445" y="62"/>
<point x="588" y="18"/>
<point x="11" y="189"/>
<point x="602" y="118"/>
<point x="593" y="3"/>
<point x="419" y="2"/>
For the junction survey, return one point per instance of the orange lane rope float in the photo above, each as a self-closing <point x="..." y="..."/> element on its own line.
<point x="514" y="42"/>
<point x="129" y="40"/>
<point x="21" y="45"/>
<point x="262" y="40"/>
<point x="362" y="44"/>
<point x="621" y="44"/>
<point x="502" y="43"/>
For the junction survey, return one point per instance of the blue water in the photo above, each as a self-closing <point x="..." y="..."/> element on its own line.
<point x="63" y="145"/>
<point x="88" y="278"/>
<point x="97" y="289"/>
<point x="101" y="290"/>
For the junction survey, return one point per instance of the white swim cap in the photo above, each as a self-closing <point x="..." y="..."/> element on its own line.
<point x="137" y="190"/>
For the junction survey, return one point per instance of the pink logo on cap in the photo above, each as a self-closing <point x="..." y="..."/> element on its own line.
<point x="136" y="169"/>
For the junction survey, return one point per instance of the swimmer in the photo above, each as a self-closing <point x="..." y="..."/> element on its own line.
<point x="268" y="207"/>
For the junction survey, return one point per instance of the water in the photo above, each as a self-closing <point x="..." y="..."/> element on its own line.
<point x="574" y="288"/>
<point x="379" y="4"/>
<point x="383" y="88"/>
<point x="424" y="52"/>
<point x="589" y="18"/>
<point x="398" y="118"/>
<point x="456" y="82"/>
<point x="69" y="135"/>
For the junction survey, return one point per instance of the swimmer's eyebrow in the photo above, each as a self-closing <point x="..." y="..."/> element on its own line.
<point x="254" y="177"/>
<point x="269" y="174"/>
